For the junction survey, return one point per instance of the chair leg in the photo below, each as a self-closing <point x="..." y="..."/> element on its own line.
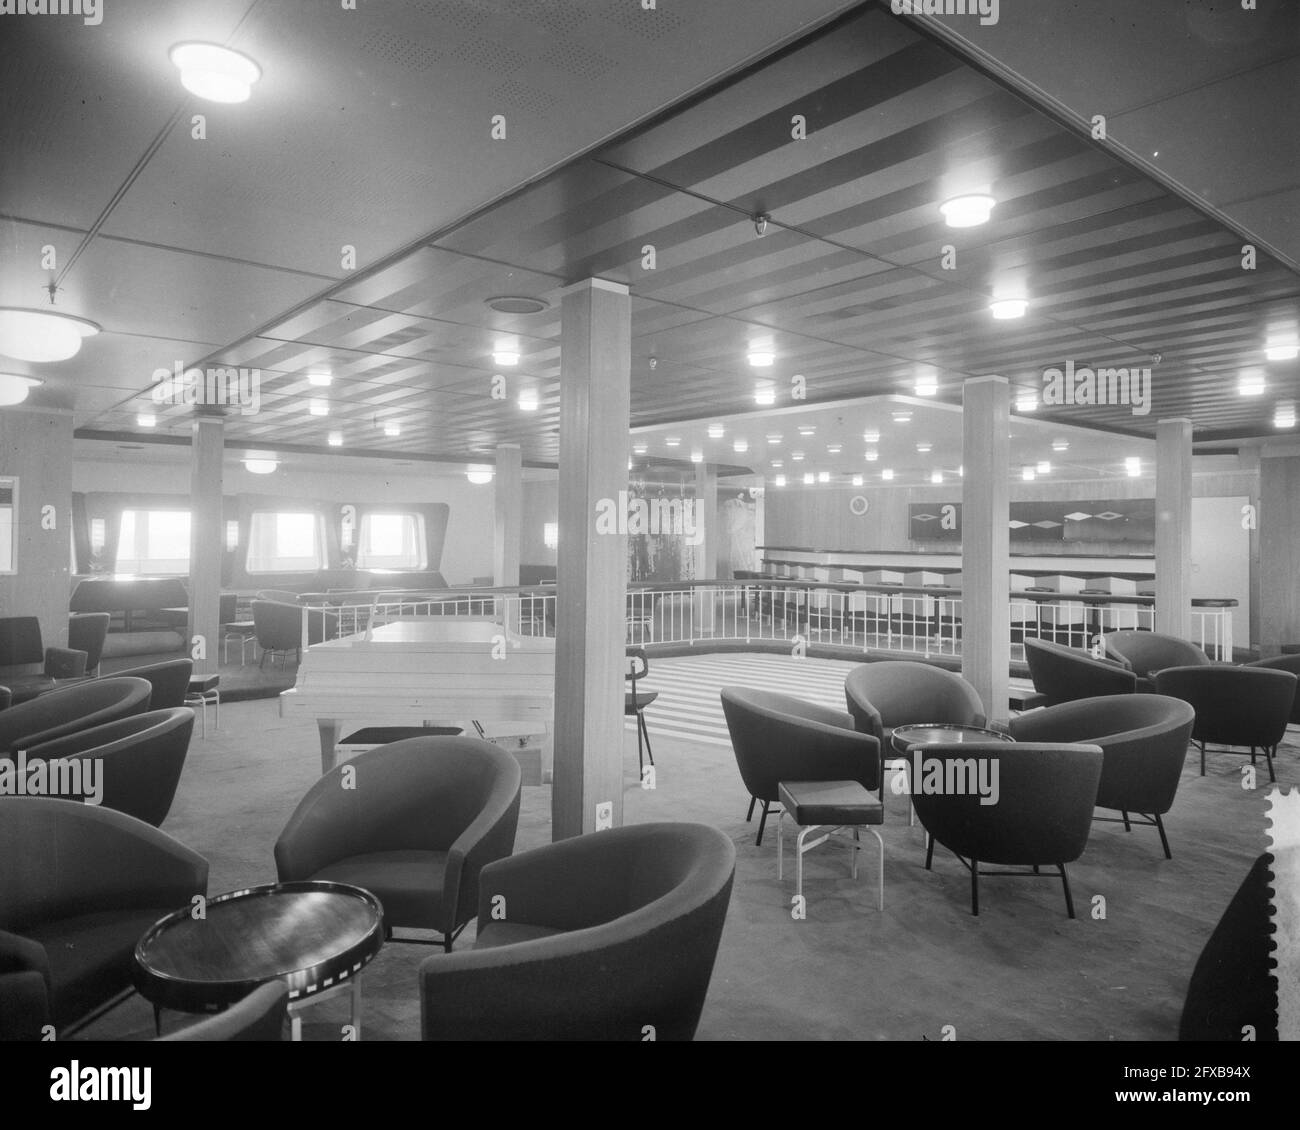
<point x="1164" y="840"/>
<point x="929" y="850"/>
<point x="750" y="814"/>
<point x="762" y="823"/>
<point x="1202" y="759"/>
<point x="640" y="757"/>
<point x="447" y="941"/>
<point x="1268" y="756"/>
<point x="975" y="887"/>
<point x="1065" y="882"/>
<point x="1127" y="826"/>
<point x="650" y="753"/>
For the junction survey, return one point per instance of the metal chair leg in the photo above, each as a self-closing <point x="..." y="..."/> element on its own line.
<point x="929" y="850"/>
<point x="1202" y="759"/>
<point x="975" y="887"/>
<point x="650" y="753"/>
<point x="750" y="814"/>
<point x="1268" y="756"/>
<point x="1164" y="840"/>
<point x="1069" y="902"/>
<point x="762" y="823"/>
<point x="1127" y="826"/>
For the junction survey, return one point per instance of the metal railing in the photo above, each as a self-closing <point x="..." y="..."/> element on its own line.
<point x="923" y="621"/>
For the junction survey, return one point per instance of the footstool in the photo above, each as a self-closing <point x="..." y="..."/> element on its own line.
<point x="203" y="689"/>
<point x="832" y="806"/>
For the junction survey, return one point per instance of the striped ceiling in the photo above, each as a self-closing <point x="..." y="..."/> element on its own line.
<point x="846" y="287"/>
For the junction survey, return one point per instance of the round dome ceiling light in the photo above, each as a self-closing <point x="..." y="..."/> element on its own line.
<point x="14" y="389"/>
<point x="42" y="335"/>
<point x="479" y="476"/>
<point x="260" y="466"/>
<point x="215" y="73"/>
<point x="516" y="304"/>
<point x="967" y="211"/>
<point x="1008" y="308"/>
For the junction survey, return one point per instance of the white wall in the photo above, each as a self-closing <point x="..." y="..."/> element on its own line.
<point x="466" y="554"/>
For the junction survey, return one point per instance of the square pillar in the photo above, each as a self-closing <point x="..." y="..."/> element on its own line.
<point x="590" y="619"/>
<point x="508" y="503"/>
<point x="986" y="543"/>
<point x="1279" y="551"/>
<point x="1174" y="528"/>
<point x="207" y="541"/>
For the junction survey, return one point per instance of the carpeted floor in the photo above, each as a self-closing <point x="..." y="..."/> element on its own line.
<point x="1021" y="971"/>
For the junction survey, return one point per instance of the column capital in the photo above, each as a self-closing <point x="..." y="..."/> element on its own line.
<point x="595" y="284"/>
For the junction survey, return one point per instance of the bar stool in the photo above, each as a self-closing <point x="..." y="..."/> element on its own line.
<point x="204" y="689"/>
<point x="833" y="806"/>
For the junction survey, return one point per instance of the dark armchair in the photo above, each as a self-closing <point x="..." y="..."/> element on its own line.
<point x="425" y="816"/>
<point x="79" y="886"/>
<point x="87" y="632"/>
<point x="779" y="738"/>
<point x="259" y="1016"/>
<point x="892" y="693"/>
<point x="1235" y="706"/>
<point x="1143" y="739"/>
<point x="142" y="758"/>
<point x="1283" y="663"/>
<point x="607" y="936"/>
<point x="1040" y="813"/>
<point x="1065" y="674"/>
<point x="21" y="646"/>
<point x="1145" y="653"/>
<point x="70" y="709"/>
<point x="278" y="626"/>
<point x="168" y="681"/>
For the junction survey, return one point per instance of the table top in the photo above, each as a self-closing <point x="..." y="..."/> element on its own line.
<point x="311" y="935"/>
<point x="942" y="733"/>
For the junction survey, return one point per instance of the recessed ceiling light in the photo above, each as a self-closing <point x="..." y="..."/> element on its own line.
<point x="1007" y="308"/>
<point x="1250" y="382"/>
<point x="740" y="446"/>
<point x="778" y="463"/>
<point x="834" y="448"/>
<point x="774" y="438"/>
<point x="924" y="448"/>
<point x="318" y="406"/>
<point x="14" y="389"/>
<point x="215" y="73"/>
<point x="887" y="474"/>
<point x="779" y="481"/>
<point x="797" y="456"/>
<point x="146" y="419"/>
<point x="1027" y="473"/>
<point x="528" y="401"/>
<point x="336" y="439"/>
<point x="871" y="456"/>
<point x="516" y="304"/>
<point x="673" y="441"/>
<point x="505" y="357"/>
<point x="967" y="211"/>
<point x="1284" y="416"/>
<point x="762" y="358"/>
<point x="871" y="435"/>
<point x="260" y="466"/>
<point x="807" y="429"/>
<point x="809" y="478"/>
<point x="1044" y="467"/>
<point x="824" y="477"/>
<point x="640" y="448"/>
<point x="765" y="396"/>
<point x="392" y="429"/>
<point x="936" y="477"/>
<point x="902" y="416"/>
<point x="1282" y="352"/>
<point x="716" y="431"/>
<point x="320" y="378"/>
<point x="480" y="476"/>
<point x="1026" y="401"/>
<point x="1133" y="465"/>
<point x="1060" y="445"/>
<point x="42" y="335"/>
<point x="927" y="386"/>
<point x="857" y="480"/>
<point x="697" y="456"/>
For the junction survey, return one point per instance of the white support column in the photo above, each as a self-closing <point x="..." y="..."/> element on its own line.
<point x="508" y="503"/>
<point x="590" y="622"/>
<point x="986" y="543"/>
<point x="207" y="540"/>
<point x="1174" y="528"/>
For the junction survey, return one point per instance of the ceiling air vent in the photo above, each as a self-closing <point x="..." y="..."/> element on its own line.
<point x="513" y="304"/>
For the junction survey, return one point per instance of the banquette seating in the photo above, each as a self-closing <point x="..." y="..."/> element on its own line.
<point x="139" y="607"/>
<point x="610" y="936"/>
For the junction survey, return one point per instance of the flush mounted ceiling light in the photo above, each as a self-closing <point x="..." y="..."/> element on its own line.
<point x="14" y="389"/>
<point x="392" y="430"/>
<point x="872" y="456"/>
<point x="887" y="474"/>
<point x="528" y="401"/>
<point x="761" y="358"/>
<point x="1044" y="467"/>
<point x="807" y="429"/>
<point x="215" y="73"/>
<point x="834" y="448"/>
<point x="1282" y="352"/>
<point x="764" y="397"/>
<point x="146" y="419"/>
<point x="716" y="431"/>
<point x="42" y="335"/>
<point x="778" y="463"/>
<point x="1284" y="416"/>
<point x="774" y="438"/>
<point x="320" y="378"/>
<point x="1060" y="445"/>
<point x="260" y="466"/>
<point x="505" y="357"/>
<point x="640" y="448"/>
<point x="1026" y="401"/>
<point x="1133" y="465"/>
<point x="336" y="439"/>
<point x="902" y="417"/>
<point x="1007" y="308"/>
<point x="871" y="435"/>
<point x="1250" y="382"/>
<point x="318" y="407"/>
<point x="1027" y="473"/>
<point x="936" y="477"/>
<point x="673" y="441"/>
<point x="809" y="478"/>
<point x="857" y="480"/>
<point x="924" y="448"/>
<point x="740" y="446"/>
<point x="797" y="456"/>
<point x="697" y="456"/>
<point x="824" y="477"/>
<point x="927" y="386"/>
<point x="967" y="211"/>
<point x="480" y="476"/>
<point x="779" y="480"/>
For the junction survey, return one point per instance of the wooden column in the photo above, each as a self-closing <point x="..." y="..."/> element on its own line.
<point x="207" y="541"/>
<point x="508" y="496"/>
<point x="986" y="543"/>
<point x="1174" y="528"/>
<point x="590" y="621"/>
<point x="1279" y="551"/>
